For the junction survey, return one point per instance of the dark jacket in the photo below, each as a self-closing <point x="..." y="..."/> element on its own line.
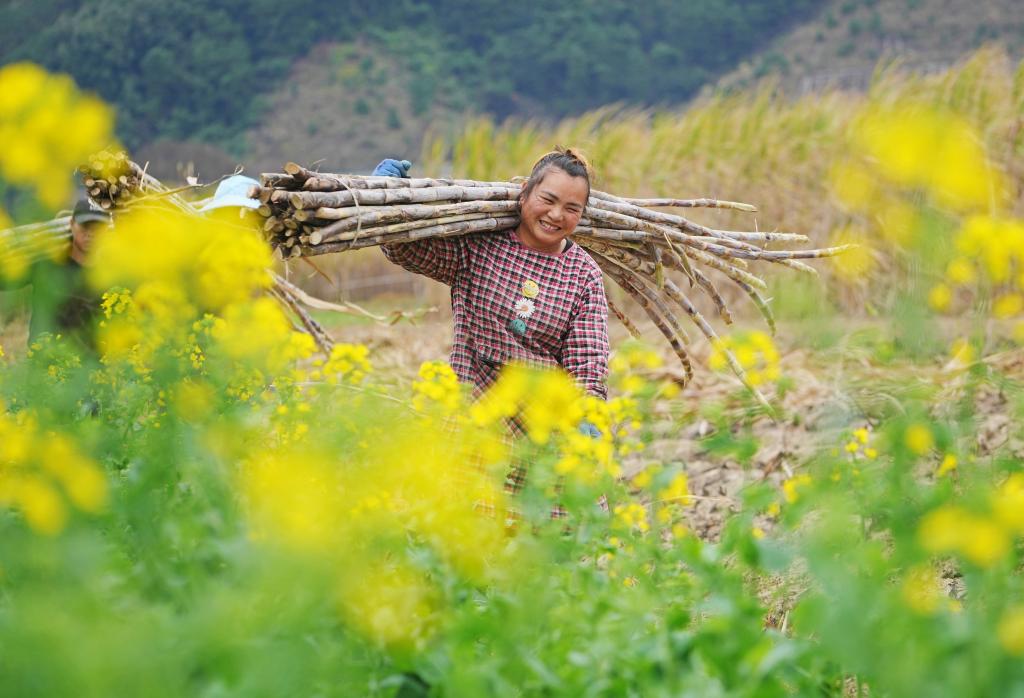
<point x="62" y="302"/>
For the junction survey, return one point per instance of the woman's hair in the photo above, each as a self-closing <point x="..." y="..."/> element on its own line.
<point x="569" y="160"/>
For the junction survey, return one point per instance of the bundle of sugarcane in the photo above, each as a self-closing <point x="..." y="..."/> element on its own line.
<point x="114" y="181"/>
<point x="635" y="244"/>
<point x="111" y="178"/>
<point x="25" y="245"/>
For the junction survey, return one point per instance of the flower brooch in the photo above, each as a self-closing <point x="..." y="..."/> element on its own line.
<point x="524" y="307"/>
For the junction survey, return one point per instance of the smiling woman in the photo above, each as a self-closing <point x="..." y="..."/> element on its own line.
<point x="528" y="295"/>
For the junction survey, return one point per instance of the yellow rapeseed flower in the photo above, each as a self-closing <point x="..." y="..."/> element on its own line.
<point x="79" y="476"/>
<point x="294" y="498"/>
<point x="48" y="125"/>
<point x="632" y="516"/>
<point x="952" y="529"/>
<point x="940" y="297"/>
<point x="918" y="438"/>
<point x="961" y="353"/>
<point x="44" y="511"/>
<point x="633" y="355"/>
<point x="438" y="385"/>
<point x="942" y="530"/>
<point x="791" y="487"/>
<point x="1008" y="503"/>
<point x="947" y="465"/>
<point x="985" y="542"/>
<point x="961" y="271"/>
<point x="854" y="185"/>
<point x="391" y="603"/>
<point x="35" y="466"/>
<point x="1008" y="305"/>
<point x="552" y="405"/>
<point x="348" y="363"/>
<point x="920" y="590"/>
<point x="1010" y="631"/>
<point x="677" y="491"/>
<point x="898" y="222"/>
<point x="917" y="146"/>
<point x="857" y="262"/>
<point x="643" y="478"/>
<point x="754" y="351"/>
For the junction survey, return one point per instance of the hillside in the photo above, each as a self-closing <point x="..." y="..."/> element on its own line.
<point x="343" y="107"/>
<point x="200" y="89"/>
<point x="843" y="44"/>
<point x="180" y="72"/>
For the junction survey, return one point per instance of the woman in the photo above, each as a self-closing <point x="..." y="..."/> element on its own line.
<point x="529" y="294"/>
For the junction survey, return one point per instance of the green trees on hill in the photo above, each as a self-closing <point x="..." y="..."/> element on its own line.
<point x="181" y="69"/>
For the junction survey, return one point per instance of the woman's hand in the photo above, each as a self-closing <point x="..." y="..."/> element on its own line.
<point x="392" y="168"/>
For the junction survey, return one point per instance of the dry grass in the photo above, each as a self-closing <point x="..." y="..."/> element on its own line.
<point x="758" y="146"/>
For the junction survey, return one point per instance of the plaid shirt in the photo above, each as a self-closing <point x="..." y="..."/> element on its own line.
<point x="568" y="325"/>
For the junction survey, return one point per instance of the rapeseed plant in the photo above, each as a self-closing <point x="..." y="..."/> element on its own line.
<point x="48" y="125"/>
<point x="36" y="466"/>
<point x="755" y="352"/>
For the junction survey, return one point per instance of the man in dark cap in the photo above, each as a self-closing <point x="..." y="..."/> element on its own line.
<point x="62" y="302"/>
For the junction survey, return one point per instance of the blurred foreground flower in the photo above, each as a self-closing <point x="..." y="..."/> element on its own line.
<point x="920" y="147"/>
<point x="950" y="529"/>
<point x="37" y="466"/>
<point x="48" y="127"/>
<point x="755" y="352"/>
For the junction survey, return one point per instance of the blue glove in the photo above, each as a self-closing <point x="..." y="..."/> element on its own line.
<point x="590" y="430"/>
<point x="392" y="168"/>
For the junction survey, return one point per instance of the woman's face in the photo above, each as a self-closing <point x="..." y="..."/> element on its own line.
<point x="552" y="211"/>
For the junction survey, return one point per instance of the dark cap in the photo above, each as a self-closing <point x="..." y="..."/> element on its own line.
<point x="84" y="212"/>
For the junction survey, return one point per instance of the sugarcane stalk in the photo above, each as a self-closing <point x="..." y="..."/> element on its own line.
<point x="445" y="230"/>
<point x="633" y="330"/>
<point x="759" y="302"/>
<point x="645" y="301"/>
<point x="315" y="330"/>
<point x="628" y="267"/>
<point x="691" y="203"/>
<point x="413" y="214"/>
<point x="379" y="197"/>
<point x="318" y="236"/>
<point x="649" y="269"/>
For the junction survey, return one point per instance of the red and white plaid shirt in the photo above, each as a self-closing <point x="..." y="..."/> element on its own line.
<point x="565" y="322"/>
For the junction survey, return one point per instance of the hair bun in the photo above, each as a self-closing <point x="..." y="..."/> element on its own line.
<point x="581" y="157"/>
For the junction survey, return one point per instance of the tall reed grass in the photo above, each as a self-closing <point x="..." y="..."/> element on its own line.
<point x="760" y="146"/>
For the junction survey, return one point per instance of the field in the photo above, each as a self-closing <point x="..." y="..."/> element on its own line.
<point x="210" y="506"/>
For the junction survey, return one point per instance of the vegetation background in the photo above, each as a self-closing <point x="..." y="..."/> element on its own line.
<point x="159" y="502"/>
<point x="203" y="89"/>
<point x="215" y="84"/>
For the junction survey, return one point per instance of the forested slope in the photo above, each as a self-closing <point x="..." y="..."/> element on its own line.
<point x="185" y="70"/>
